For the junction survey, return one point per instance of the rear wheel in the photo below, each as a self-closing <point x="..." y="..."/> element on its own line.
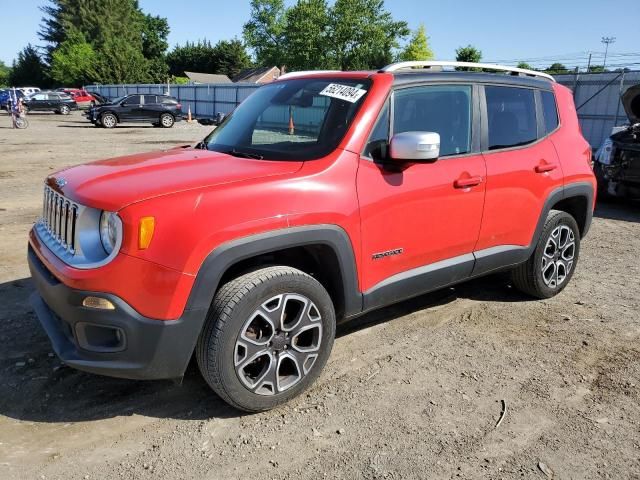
<point x="65" y="110"/>
<point x="268" y="335"/>
<point x="167" y="120"/>
<point x="108" y="120"/>
<point x="552" y="263"/>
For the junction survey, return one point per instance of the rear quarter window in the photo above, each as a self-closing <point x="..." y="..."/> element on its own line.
<point x="512" y="116"/>
<point x="550" y="111"/>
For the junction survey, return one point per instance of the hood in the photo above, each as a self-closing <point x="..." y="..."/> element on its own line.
<point x="631" y="103"/>
<point x="113" y="184"/>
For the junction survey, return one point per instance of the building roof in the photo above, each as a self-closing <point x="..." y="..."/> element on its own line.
<point x="256" y="75"/>
<point x="207" y="77"/>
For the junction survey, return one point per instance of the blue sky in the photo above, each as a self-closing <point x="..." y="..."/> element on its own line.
<point x="505" y="31"/>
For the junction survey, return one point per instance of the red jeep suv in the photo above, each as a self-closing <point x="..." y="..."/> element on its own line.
<point x="321" y="197"/>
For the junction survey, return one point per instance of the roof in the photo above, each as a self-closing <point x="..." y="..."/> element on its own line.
<point x="207" y="77"/>
<point x="406" y="78"/>
<point x="254" y="75"/>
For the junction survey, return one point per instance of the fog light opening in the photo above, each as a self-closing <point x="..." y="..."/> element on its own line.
<point x="98" y="303"/>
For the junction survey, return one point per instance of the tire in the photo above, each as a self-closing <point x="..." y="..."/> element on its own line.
<point x="290" y="356"/>
<point x="167" y="120"/>
<point x="108" y="120"/>
<point x="552" y="263"/>
<point x="65" y="110"/>
<point x="21" y="123"/>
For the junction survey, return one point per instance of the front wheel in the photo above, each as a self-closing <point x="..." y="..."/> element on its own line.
<point x="552" y="263"/>
<point x="65" y="110"/>
<point x="108" y="120"/>
<point x="268" y="335"/>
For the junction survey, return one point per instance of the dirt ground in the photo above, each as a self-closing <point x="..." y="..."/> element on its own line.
<point x="413" y="391"/>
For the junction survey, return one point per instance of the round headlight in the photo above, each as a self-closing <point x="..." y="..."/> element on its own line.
<point x="109" y="231"/>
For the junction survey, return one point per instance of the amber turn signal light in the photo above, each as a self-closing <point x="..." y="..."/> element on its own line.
<point x="98" y="303"/>
<point x="145" y="232"/>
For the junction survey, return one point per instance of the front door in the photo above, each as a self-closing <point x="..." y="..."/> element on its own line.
<point x="39" y="102"/>
<point x="421" y="221"/>
<point x="131" y="108"/>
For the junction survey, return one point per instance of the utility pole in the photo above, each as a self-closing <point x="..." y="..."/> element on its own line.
<point x="589" y="63"/>
<point x="607" y="41"/>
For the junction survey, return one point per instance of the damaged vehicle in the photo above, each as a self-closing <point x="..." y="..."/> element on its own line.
<point x="617" y="161"/>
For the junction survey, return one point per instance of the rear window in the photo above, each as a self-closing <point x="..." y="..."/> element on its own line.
<point x="167" y="100"/>
<point x="512" y="116"/>
<point x="550" y="111"/>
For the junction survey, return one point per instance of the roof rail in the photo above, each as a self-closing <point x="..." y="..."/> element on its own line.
<point x="305" y="72"/>
<point x="427" y="64"/>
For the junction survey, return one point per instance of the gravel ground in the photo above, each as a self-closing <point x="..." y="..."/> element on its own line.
<point x="412" y="391"/>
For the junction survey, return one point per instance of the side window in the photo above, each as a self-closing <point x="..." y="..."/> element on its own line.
<point x="550" y="111"/>
<point x="150" y="99"/>
<point x="378" y="140"/>
<point x="40" y="96"/>
<point x="133" y="100"/>
<point x="443" y="109"/>
<point x="512" y="116"/>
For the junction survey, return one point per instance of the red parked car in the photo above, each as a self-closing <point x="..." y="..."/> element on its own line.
<point x="83" y="98"/>
<point x="321" y="197"/>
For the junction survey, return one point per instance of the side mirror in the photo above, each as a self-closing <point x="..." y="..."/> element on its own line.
<point x="415" y="146"/>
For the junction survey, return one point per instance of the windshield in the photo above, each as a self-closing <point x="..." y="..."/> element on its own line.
<point x="118" y="100"/>
<point x="298" y="119"/>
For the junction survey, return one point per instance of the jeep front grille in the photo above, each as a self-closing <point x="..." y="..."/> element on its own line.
<point x="59" y="217"/>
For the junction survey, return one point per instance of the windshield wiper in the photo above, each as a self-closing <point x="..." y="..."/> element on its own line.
<point x="237" y="153"/>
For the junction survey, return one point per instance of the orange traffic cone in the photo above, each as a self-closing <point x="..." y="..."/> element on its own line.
<point x="189" y="119"/>
<point x="292" y="128"/>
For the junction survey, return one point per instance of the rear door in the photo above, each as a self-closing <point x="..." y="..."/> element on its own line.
<point x="522" y="168"/>
<point x="151" y="109"/>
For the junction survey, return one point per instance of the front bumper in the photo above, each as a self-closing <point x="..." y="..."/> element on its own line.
<point x="119" y="342"/>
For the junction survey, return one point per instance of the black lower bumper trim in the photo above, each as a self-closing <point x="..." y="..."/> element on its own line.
<point x="154" y="349"/>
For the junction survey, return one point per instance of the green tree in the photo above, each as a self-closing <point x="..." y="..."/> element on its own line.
<point x="557" y="68"/>
<point x="525" y="65"/>
<point x="155" y="32"/>
<point x="29" y="69"/>
<point x="468" y="54"/>
<point x="230" y="57"/>
<point x="364" y="34"/>
<point x="306" y="35"/>
<point x="120" y="62"/>
<point x="117" y="30"/>
<point x="264" y="32"/>
<point x="597" y="69"/>
<point x="227" y="57"/>
<point x="418" y="47"/>
<point x="73" y="61"/>
<point x="5" y="72"/>
<point x="350" y="35"/>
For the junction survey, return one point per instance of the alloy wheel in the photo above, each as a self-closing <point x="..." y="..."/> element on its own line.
<point x="278" y="344"/>
<point x="558" y="256"/>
